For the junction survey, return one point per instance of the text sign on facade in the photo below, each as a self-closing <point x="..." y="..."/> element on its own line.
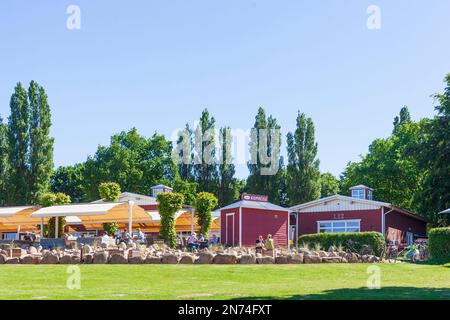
<point x="255" y="197"/>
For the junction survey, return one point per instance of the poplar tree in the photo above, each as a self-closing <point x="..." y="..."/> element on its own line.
<point x="205" y="164"/>
<point x="228" y="188"/>
<point x="18" y="136"/>
<point x="185" y="153"/>
<point x="41" y="144"/>
<point x="303" y="166"/>
<point x="265" y="176"/>
<point x="3" y="161"/>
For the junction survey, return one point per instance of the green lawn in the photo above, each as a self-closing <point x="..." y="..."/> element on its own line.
<point x="325" y="281"/>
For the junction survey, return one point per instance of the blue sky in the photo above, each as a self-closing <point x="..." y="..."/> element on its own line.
<point x="155" y="65"/>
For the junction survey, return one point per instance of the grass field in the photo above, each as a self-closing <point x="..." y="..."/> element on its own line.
<point x="325" y="281"/>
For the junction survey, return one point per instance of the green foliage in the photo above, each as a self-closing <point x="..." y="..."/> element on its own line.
<point x="109" y="191"/>
<point x="329" y="185"/>
<point x="4" y="165"/>
<point x="303" y="166"/>
<point x="50" y="199"/>
<point x="204" y="205"/>
<point x="205" y="166"/>
<point x="110" y="228"/>
<point x="69" y="180"/>
<point x="262" y="179"/>
<point x="325" y="240"/>
<point x="131" y="160"/>
<point x="439" y="244"/>
<point x="185" y="153"/>
<point x="168" y="204"/>
<point x="41" y="144"/>
<point x="228" y="186"/>
<point x="186" y="188"/>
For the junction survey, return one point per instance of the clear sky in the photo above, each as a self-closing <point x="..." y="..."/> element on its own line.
<point x="155" y="65"/>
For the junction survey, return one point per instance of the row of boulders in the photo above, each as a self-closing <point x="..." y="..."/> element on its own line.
<point x="103" y="257"/>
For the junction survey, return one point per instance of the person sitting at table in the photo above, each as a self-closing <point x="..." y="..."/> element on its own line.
<point x="125" y="236"/>
<point x="27" y="236"/>
<point x="201" y="238"/>
<point x="260" y="244"/>
<point x="140" y="237"/>
<point x="192" y="242"/>
<point x="214" y="240"/>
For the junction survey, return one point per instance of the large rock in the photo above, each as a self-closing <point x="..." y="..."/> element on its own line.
<point x="87" y="249"/>
<point x="117" y="258"/>
<point x="3" y="258"/>
<point x="50" y="258"/>
<point x="265" y="260"/>
<point x="309" y="258"/>
<point x="88" y="259"/>
<point x="100" y="257"/>
<point x="13" y="261"/>
<point x="136" y="260"/>
<point x="247" y="259"/>
<point x="322" y="253"/>
<point x="169" y="259"/>
<point x="32" y="250"/>
<point x="205" y="258"/>
<point x="331" y="259"/>
<point x="28" y="259"/>
<point x="281" y="260"/>
<point x="352" y="257"/>
<point x="333" y="254"/>
<point x="187" y="259"/>
<point x="76" y="259"/>
<point x="295" y="258"/>
<point x="225" y="259"/>
<point x="66" y="259"/>
<point x="153" y="260"/>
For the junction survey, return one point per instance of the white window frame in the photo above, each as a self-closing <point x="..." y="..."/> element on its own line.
<point x="369" y="195"/>
<point x="337" y="221"/>
<point x="357" y="193"/>
<point x="228" y="215"/>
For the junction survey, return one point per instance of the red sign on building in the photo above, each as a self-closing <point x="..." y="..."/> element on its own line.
<point x="254" y="197"/>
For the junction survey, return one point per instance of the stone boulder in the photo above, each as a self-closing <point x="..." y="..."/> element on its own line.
<point x="87" y="249"/>
<point x="309" y="258"/>
<point x="331" y="259"/>
<point x="352" y="257"/>
<point x="295" y="258"/>
<point x="332" y="249"/>
<point x="28" y="259"/>
<point x="187" y="259"/>
<point x="247" y="259"/>
<point x="322" y="253"/>
<point x="225" y="259"/>
<point x="66" y="259"/>
<point x="50" y="258"/>
<point x="281" y="260"/>
<point x="88" y="258"/>
<point x="265" y="260"/>
<point x="205" y="258"/>
<point x="169" y="259"/>
<point x="100" y="257"/>
<point x="13" y="261"/>
<point x="152" y="260"/>
<point x="75" y="259"/>
<point x="3" y="258"/>
<point x="136" y="260"/>
<point x="118" y="258"/>
<point x="32" y="250"/>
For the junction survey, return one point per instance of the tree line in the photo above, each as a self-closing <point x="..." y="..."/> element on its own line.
<point x="410" y="168"/>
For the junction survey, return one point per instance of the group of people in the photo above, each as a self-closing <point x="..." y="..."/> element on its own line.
<point x="200" y="242"/>
<point x="127" y="238"/>
<point x="30" y="236"/>
<point x="264" y="245"/>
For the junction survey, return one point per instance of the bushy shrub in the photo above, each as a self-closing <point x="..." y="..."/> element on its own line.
<point x="168" y="204"/>
<point x="439" y="244"/>
<point x="204" y="204"/>
<point x="359" y="241"/>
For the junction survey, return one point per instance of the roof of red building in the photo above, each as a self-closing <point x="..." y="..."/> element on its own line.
<point x="254" y="205"/>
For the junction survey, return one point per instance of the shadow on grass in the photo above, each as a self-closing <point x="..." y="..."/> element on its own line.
<point x="363" y="293"/>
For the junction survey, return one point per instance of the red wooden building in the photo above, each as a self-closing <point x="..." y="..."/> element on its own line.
<point x="242" y="222"/>
<point x="357" y="213"/>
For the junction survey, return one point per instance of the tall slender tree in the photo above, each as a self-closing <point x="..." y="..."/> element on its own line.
<point x="303" y="167"/>
<point x="205" y="164"/>
<point x="228" y="189"/>
<point x="265" y="176"/>
<point x="18" y="134"/>
<point x="402" y="118"/>
<point x="3" y="161"/>
<point x="41" y="144"/>
<point x="185" y="153"/>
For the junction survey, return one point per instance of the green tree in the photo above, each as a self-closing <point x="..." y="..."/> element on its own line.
<point x="185" y="154"/>
<point x="49" y="199"/>
<point x="205" y="165"/>
<point x="109" y="191"/>
<point x="4" y="165"/>
<point x="402" y="118"/>
<point x="168" y="204"/>
<point x="204" y="205"/>
<point x="131" y="160"/>
<point x="18" y="136"/>
<point x="265" y="176"/>
<point x="69" y="180"/>
<point x="303" y="166"/>
<point x="41" y="144"/>
<point x="228" y="186"/>
<point x="329" y="185"/>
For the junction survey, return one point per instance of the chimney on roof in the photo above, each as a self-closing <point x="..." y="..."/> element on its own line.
<point x="361" y="192"/>
<point x="160" y="188"/>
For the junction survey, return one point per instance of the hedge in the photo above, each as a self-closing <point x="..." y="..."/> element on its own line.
<point x="325" y="240"/>
<point x="439" y="243"/>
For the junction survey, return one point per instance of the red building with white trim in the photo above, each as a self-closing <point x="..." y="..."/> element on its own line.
<point x="357" y="213"/>
<point x="242" y="222"/>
